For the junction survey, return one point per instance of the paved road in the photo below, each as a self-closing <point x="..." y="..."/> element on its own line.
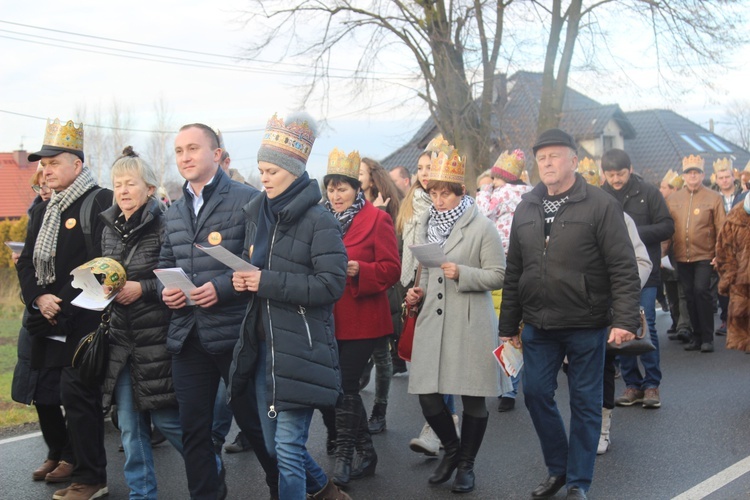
<point x="702" y="429"/>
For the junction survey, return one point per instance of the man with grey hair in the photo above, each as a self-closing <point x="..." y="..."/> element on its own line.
<point x="570" y="262"/>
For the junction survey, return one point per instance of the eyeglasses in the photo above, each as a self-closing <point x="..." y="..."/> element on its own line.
<point x="41" y="189"/>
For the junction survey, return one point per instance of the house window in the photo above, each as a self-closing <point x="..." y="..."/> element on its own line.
<point x="693" y="143"/>
<point x="715" y="144"/>
<point x="608" y="142"/>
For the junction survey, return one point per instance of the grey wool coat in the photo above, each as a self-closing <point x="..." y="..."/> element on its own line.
<point x="456" y="330"/>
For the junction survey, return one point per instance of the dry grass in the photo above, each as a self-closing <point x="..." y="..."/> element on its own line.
<point x="11" y="311"/>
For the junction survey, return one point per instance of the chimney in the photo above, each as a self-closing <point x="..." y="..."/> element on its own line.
<point x="21" y="157"/>
<point x="711" y="125"/>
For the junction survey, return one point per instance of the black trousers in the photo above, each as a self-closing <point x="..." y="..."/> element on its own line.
<point x="695" y="278"/>
<point x="196" y="374"/>
<point x="608" y="399"/>
<point x="353" y="356"/>
<point x="83" y="412"/>
<point x="55" y="433"/>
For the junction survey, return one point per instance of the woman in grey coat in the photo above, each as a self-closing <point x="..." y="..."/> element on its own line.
<point x="456" y="329"/>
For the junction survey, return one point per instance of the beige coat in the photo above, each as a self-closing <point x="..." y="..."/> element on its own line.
<point x="456" y="331"/>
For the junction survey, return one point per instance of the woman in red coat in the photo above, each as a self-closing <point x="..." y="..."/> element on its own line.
<point x="362" y="315"/>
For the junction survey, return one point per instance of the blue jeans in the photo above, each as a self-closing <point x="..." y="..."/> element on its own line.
<point x="135" y="431"/>
<point x="286" y="438"/>
<point x="543" y="354"/>
<point x="222" y="415"/>
<point x="631" y="375"/>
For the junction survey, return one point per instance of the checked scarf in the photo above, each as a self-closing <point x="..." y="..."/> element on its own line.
<point x="45" y="247"/>
<point x="346" y="217"/>
<point x="441" y="223"/>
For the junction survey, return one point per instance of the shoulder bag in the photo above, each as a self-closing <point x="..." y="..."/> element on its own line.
<point x="409" y="317"/>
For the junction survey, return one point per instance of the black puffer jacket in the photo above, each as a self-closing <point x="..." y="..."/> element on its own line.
<point x="304" y="276"/>
<point x="138" y="331"/>
<point x="217" y="326"/>
<point x="587" y="266"/>
<point x="648" y="209"/>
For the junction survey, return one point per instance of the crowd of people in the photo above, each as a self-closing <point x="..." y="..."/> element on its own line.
<point x="317" y="304"/>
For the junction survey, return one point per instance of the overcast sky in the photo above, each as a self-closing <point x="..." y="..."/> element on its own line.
<point x="41" y="76"/>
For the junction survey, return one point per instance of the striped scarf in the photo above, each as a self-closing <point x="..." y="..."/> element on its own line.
<point x="346" y="217"/>
<point x="45" y="248"/>
<point x="441" y="223"/>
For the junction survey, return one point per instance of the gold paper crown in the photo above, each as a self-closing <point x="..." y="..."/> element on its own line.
<point x="674" y="179"/>
<point x="64" y="136"/>
<point x="590" y="171"/>
<point x="342" y="164"/>
<point x="447" y="167"/>
<point x="438" y="144"/>
<point x="692" y="161"/>
<point x="723" y="164"/>
<point x="295" y="139"/>
<point x="509" y="166"/>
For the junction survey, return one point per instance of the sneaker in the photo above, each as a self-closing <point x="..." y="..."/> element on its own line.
<point x="239" y="445"/>
<point x="722" y="330"/>
<point x="80" y="491"/>
<point x="506" y="404"/>
<point x="707" y="347"/>
<point x="427" y="442"/>
<point x="630" y="397"/>
<point x="685" y="336"/>
<point x="651" y="398"/>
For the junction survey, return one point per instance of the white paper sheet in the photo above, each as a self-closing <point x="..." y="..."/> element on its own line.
<point x="429" y="254"/>
<point x="175" y="277"/>
<point x="15" y="246"/>
<point x="93" y="295"/>
<point x="510" y="358"/>
<point x="227" y="258"/>
<point x="666" y="264"/>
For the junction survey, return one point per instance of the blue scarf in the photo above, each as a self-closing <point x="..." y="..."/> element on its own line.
<point x="268" y="216"/>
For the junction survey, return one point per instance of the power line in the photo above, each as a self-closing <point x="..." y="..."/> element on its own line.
<point x="186" y="51"/>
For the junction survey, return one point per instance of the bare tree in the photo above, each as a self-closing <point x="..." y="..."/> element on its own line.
<point x="455" y="48"/>
<point x="738" y="117"/>
<point x="94" y="140"/>
<point x="689" y="38"/>
<point x="120" y="123"/>
<point x="159" y="150"/>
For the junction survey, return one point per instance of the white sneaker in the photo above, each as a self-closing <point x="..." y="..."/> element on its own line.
<point x="427" y="442"/>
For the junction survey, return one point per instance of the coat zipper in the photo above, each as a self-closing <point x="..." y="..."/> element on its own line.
<point x="272" y="409"/>
<point x="301" y="312"/>
<point x="687" y="228"/>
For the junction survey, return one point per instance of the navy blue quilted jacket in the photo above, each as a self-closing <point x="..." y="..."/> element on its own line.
<point x="217" y="326"/>
<point x="305" y="274"/>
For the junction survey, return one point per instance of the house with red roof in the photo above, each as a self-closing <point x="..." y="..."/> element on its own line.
<point x="16" y="194"/>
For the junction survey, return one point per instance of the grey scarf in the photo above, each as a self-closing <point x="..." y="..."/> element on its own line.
<point x="45" y="248"/>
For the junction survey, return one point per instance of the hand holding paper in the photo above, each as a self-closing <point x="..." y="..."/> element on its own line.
<point x="510" y="358"/>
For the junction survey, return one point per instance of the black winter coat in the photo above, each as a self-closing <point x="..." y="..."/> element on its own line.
<point x="138" y="331"/>
<point x="648" y="209"/>
<point x="218" y="326"/>
<point x="73" y="323"/>
<point x="304" y="276"/>
<point x="587" y="267"/>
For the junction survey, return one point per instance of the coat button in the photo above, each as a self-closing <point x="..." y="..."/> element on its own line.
<point x="439" y="311"/>
<point x="440" y="296"/>
<point x="195" y="275"/>
<point x="440" y="280"/>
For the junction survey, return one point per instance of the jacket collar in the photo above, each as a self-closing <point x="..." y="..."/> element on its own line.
<point x="577" y="192"/>
<point x="293" y="211"/>
<point x="152" y="210"/>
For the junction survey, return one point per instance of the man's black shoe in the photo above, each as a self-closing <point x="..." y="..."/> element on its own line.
<point x="693" y="346"/>
<point x="685" y="336"/>
<point x="575" y="493"/>
<point x="549" y="487"/>
<point x="707" y="347"/>
<point x="506" y="404"/>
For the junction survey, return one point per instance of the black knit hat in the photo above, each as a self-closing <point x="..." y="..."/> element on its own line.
<point x="554" y="137"/>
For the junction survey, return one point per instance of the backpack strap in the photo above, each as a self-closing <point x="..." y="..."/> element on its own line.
<point x="85" y="218"/>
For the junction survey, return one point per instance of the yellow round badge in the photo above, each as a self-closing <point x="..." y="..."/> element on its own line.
<point x="697" y="211"/>
<point x="70" y="223"/>
<point x="214" y="238"/>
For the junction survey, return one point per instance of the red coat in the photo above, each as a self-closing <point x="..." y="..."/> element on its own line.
<point x="363" y="311"/>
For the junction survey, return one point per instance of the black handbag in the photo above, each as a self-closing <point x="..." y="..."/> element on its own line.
<point x="641" y="344"/>
<point x="92" y="354"/>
